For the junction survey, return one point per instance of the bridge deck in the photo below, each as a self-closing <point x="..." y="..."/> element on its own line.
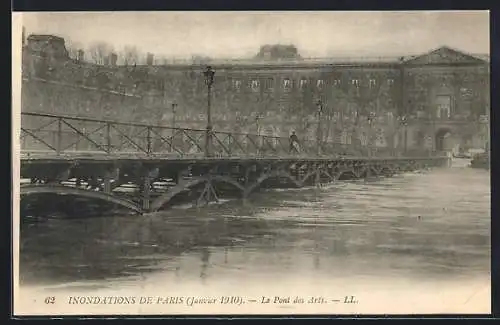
<point x="102" y="157"/>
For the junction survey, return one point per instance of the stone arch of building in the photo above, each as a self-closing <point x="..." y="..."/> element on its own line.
<point x="440" y="136"/>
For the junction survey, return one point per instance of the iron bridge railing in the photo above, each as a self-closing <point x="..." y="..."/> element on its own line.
<point x="56" y="134"/>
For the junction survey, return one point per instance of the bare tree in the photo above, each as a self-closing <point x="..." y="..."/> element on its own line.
<point x="130" y="55"/>
<point x="99" y="51"/>
<point x="73" y="48"/>
<point x="200" y="59"/>
<point x="161" y="59"/>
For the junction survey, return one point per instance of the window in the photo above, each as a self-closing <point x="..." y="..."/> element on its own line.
<point x="303" y="83"/>
<point x="237" y="84"/>
<point x="343" y="137"/>
<point x="287" y="83"/>
<point x="390" y="82"/>
<point x="466" y="92"/>
<point x="255" y="84"/>
<point x="319" y="83"/>
<point x="355" y="82"/>
<point x="336" y="82"/>
<point x="443" y="111"/>
<point x="373" y="83"/>
<point x="270" y="83"/>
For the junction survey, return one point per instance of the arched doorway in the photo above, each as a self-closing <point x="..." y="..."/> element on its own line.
<point x="441" y="136"/>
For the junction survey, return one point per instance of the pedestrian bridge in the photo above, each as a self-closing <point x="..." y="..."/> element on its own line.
<point x="60" y="153"/>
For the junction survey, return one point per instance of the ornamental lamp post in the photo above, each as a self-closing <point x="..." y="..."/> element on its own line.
<point x="319" y="104"/>
<point x="404" y="123"/>
<point x="258" y="117"/>
<point x="174" y="106"/>
<point x="174" y="111"/>
<point x="484" y="119"/>
<point x="209" y="80"/>
<point x="260" y="141"/>
<point x="371" y="119"/>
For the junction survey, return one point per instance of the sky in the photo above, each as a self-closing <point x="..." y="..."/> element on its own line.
<point x="240" y="34"/>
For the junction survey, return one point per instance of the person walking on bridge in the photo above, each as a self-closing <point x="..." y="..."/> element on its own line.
<point x="294" y="143"/>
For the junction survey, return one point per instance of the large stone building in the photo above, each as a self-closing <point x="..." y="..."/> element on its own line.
<point x="443" y="94"/>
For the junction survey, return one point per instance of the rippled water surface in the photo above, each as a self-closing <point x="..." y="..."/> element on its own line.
<point x="416" y="229"/>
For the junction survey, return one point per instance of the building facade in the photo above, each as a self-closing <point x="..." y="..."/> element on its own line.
<point x="434" y="101"/>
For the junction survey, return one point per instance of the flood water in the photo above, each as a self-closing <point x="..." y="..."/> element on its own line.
<point x="417" y="242"/>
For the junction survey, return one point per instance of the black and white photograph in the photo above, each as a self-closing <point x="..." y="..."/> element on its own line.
<point x="251" y="162"/>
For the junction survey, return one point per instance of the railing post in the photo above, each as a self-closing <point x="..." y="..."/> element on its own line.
<point x="171" y="146"/>
<point x="59" y="135"/>
<point x="146" y="193"/>
<point x="112" y="173"/>
<point x="108" y="137"/>
<point x="148" y="139"/>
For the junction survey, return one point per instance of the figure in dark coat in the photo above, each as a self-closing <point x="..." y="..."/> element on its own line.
<point x="294" y="142"/>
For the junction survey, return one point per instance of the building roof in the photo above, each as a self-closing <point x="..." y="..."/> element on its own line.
<point x="484" y="57"/>
<point x="443" y="54"/>
<point x="308" y="61"/>
<point x="41" y="37"/>
<point x="297" y="60"/>
<point x="439" y="55"/>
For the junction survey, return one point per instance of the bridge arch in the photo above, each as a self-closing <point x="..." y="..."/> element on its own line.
<point x="163" y="199"/>
<point x="66" y="190"/>
<point x="331" y="177"/>
<point x="307" y="176"/>
<point x="262" y="178"/>
<point x="374" y="170"/>
<point x="367" y="171"/>
<point x="227" y="180"/>
<point x="387" y="171"/>
<point x="347" y="173"/>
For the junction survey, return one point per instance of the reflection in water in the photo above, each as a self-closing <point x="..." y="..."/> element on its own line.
<point x="430" y="225"/>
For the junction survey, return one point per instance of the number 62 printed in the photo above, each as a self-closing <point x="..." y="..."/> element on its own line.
<point x="50" y="300"/>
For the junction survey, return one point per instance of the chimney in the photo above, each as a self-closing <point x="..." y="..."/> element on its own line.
<point x="24" y="36"/>
<point x="80" y="56"/>
<point x="150" y="59"/>
<point x="106" y="60"/>
<point x="112" y="59"/>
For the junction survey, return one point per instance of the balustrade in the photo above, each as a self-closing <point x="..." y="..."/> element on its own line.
<point x="66" y="135"/>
